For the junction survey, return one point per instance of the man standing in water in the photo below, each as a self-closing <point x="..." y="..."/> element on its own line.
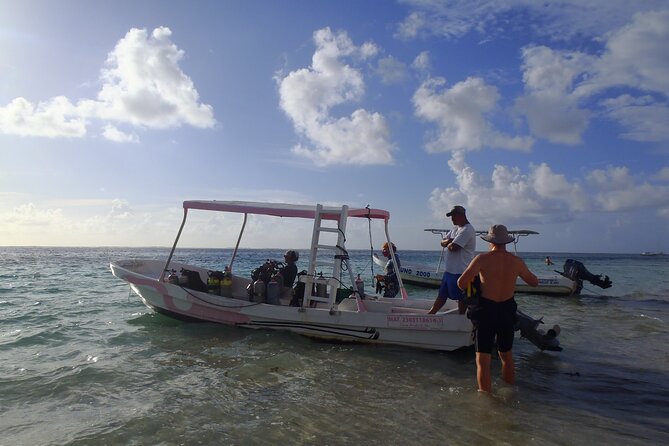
<point x="494" y="316"/>
<point x="460" y="246"/>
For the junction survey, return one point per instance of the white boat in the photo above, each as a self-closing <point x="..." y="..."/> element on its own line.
<point x="557" y="284"/>
<point x="327" y="310"/>
<point x="430" y="277"/>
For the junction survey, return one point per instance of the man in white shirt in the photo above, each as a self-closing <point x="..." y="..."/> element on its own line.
<point x="460" y="245"/>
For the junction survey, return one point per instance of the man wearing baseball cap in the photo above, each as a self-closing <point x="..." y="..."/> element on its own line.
<point x="460" y="247"/>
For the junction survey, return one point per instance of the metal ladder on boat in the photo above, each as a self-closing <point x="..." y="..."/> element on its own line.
<point x="326" y="285"/>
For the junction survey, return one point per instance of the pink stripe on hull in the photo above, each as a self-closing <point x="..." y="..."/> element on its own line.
<point x="197" y="310"/>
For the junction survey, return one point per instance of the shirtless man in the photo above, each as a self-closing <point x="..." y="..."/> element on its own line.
<point x="495" y="315"/>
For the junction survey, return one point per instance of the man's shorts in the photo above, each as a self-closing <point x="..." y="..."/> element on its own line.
<point x="493" y="320"/>
<point x="449" y="287"/>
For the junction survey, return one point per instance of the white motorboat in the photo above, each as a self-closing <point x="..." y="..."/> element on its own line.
<point x="567" y="283"/>
<point x="328" y="309"/>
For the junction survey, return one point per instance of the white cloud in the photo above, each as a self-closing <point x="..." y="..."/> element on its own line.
<point x="613" y="178"/>
<point x="362" y="139"/>
<point x="553" y="186"/>
<point x="391" y="70"/>
<point x="552" y="112"/>
<point x="555" y="118"/>
<point x="308" y="94"/>
<point x="460" y="114"/>
<point x="422" y="62"/>
<point x="411" y="26"/>
<point x="52" y="119"/>
<point x="509" y="195"/>
<point x="559" y="20"/>
<point x="618" y="191"/>
<point x="643" y="117"/>
<point x="121" y="209"/>
<point x="636" y="55"/>
<point x="113" y="134"/>
<point x="29" y="215"/>
<point x="143" y="86"/>
<point x="559" y="84"/>
<point x="663" y="174"/>
<point x="82" y="223"/>
<point x="545" y="196"/>
<point x="640" y="196"/>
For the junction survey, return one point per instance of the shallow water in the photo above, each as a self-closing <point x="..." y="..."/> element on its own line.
<point x="82" y="361"/>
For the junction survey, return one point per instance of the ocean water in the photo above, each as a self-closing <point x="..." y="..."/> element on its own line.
<point x="82" y="361"/>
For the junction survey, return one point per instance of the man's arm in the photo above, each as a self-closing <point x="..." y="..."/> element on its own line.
<point x="472" y="270"/>
<point x="463" y="236"/>
<point x="527" y="275"/>
<point x="446" y="242"/>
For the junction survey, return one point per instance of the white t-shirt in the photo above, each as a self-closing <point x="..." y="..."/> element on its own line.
<point x="465" y="237"/>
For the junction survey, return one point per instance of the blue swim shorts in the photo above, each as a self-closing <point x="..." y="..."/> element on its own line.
<point x="449" y="287"/>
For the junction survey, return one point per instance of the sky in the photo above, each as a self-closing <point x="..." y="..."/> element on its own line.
<point x="550" y="116"/>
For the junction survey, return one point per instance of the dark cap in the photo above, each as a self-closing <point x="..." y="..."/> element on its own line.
<point x="456" y="210"/>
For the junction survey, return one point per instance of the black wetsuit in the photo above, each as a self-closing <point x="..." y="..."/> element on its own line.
<point x="289" y="272"/>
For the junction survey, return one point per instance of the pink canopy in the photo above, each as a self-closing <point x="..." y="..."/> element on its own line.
<point x="282" y="209"/>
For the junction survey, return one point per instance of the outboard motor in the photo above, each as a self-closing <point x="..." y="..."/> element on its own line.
<point x="575" y="270"/>
<point x="528" y="327"/>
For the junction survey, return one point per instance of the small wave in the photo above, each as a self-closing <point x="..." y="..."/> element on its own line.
<point x="651" y="317"/>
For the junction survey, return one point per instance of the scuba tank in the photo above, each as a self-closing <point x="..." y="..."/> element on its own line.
<point x="226" y="283"/>
<point x="213" y="283"/>
<point x="258" y="291"/>
<point x="360" y="286"/>
<point x="274" y="292"/>
<point x="321" y="288"/>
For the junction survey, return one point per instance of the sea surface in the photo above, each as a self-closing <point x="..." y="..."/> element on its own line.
<point x="83" y="362"/>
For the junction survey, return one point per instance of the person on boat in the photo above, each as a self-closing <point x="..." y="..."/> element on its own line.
<point x="494" y="316"/>
<point x="289" y="271"/>
<point x="389" y="277"/>
<point x="459" y="246"/>
<point x="548" y="261"/>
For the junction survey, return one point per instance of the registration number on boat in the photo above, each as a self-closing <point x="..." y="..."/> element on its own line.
<point x="417" y="273"/>
<point x="415" y="321"/>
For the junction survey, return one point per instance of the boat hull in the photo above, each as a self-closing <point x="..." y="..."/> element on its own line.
<point x="425" y="276"/>
<point x="376" y="321"/>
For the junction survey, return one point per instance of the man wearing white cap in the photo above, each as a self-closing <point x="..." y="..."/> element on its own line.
<point x="460" y="247"/>
<point x="494" y="316"/>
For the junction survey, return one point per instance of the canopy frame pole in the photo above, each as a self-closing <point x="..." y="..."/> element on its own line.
<point x="174" y="246"/>
<point x="239" y="239"/>
<point x="395" y="265"/>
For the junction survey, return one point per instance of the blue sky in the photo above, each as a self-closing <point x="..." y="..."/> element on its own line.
<point x="551" y="116"/>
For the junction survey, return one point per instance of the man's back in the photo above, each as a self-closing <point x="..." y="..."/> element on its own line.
<point x="499" y="270"/>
